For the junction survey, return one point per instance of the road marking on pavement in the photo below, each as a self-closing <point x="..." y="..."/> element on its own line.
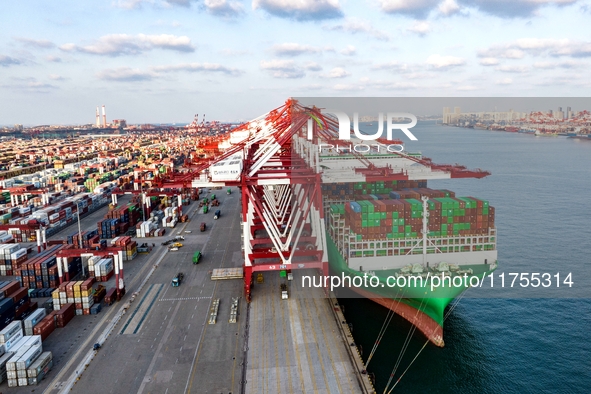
<point x="185" y="299"/>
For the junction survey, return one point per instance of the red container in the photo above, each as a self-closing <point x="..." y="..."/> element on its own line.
<point x="10" y="288"/>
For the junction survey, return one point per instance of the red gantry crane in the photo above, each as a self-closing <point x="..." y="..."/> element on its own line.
<point x="280" y="167"/>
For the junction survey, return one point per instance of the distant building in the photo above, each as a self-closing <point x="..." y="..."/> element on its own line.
<point x="120" y="123"/>
<point x="18" y="127"/>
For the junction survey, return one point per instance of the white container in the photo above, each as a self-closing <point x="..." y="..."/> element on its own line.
<point x="37" y="367"/>
<point x="10" y="331"/>
<point x="28" y="358"/>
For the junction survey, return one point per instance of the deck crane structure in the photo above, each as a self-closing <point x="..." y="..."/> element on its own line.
<point x="277" y="162"/>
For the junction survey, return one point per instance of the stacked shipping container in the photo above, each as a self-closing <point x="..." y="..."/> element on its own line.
<point x="401" y="215"/>
<point x="77" y="293"/>
<point x="12" y="256"/>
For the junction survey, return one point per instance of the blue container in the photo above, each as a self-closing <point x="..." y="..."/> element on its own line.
<point x="355" y="206"/>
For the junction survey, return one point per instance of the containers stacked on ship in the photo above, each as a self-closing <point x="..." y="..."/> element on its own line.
<point x="382" y="235"/>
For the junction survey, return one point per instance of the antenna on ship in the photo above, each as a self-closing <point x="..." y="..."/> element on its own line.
<point x="425" y="227"/>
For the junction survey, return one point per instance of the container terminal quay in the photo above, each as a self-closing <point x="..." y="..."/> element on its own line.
<point x="171" y="260"/>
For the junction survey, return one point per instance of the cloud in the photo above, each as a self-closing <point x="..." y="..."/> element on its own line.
<point x="6" y="61"/>
<point x="282" y="68"/>
<point x="224" y="8"/>
<point x="564" y="64"/>
<point x="293" y="49"/>
<point x="233" y="52"/>
<point x="504" y="81"/>
<point x="124" y="44"/>
<point x="56" y="77"/>
<point x="513" y="8"/>
<point x="312" y="66"/>
<point x="539" y="47"/>
<point x="355" y="26"/>
<point x="416" y="8"/>
<point x="501" y="8"/>
<point x="420" y="27"/>
<point x="512" y="69"/>
<point x="349" y="51"/>
<point x="337" y="72"/>
<point x="393" y="66"/>
<point x="489" y="61"/>
<point x="346" y="87"/>
<point x="131" y="4"/>
<point x="198" y="67"/>
<point x="181" y="3"/>
<point x="448" y="7"/>
<point x="30" y="85"/>
<point x="126" y="74"/>
<point x="467" y="88"/>
<point x="43" y="44"/>
<point x="53" y="59"/>
<point x="439" y="62"/>
<point x="301" y="10"/>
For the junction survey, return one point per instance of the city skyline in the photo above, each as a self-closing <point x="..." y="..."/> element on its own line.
<point x="154" y="61"/>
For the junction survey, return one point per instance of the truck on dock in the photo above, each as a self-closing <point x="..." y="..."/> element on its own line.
<point x="217" y="214"/>
<point x="284" y="295"/>
<point x="177" y="280"/>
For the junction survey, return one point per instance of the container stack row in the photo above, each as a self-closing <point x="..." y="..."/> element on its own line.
<point x="41" y="271"/>
<point x="100" y="269"/>
<point x="403" y="218"/>
<point x="149" y="228"/>
<point x="129" y="247"/>
<point x="79" y="294"/>
<point x="12" y="256"/>
<point x="14" y="302"/>
<point x="339" y="191"/>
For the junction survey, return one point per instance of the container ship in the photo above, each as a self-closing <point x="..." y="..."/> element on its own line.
<point x="397" y="230"/>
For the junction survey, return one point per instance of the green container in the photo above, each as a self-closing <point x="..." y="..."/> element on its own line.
<point x="359" y="237"/>
<point x="364" y="223"/>
<point x="381" y="253"/>
<point x="283" y="274"/>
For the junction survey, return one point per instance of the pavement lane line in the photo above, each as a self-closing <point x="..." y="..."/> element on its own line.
<point x="147" y="311"/>
<point x="137" y="309"/>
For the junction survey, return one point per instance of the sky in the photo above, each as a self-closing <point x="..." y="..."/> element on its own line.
<point x="160" y="61"/>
